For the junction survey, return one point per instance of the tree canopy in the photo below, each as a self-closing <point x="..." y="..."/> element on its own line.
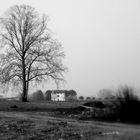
<point x="29" y="53"/>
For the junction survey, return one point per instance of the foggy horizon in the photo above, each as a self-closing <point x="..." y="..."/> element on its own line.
<point x="101" y="41"/>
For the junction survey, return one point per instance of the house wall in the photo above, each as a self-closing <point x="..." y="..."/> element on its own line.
<point x="58" y="96"/>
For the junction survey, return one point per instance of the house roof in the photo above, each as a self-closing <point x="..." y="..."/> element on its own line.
<point x="58" y="91"/>
<point x="67" y="92"/>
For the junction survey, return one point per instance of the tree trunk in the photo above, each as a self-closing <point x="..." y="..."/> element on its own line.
<point x="24" y="92"/>
<point x="27" y="88"/>
<point x="27" y="82"/>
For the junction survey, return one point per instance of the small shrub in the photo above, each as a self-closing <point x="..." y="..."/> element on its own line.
<point x="37" y="96"/>
<point x="81" y="98"/>
<point x="88" y="98"/>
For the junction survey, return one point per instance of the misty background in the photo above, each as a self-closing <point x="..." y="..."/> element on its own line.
<point x="101" y="40"/>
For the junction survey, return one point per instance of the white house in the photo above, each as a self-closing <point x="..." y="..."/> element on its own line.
<point x="61" y="95"/>
<point x="57" y="96"/>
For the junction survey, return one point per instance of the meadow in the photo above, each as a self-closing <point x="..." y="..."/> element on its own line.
<point x="50" y="121"/>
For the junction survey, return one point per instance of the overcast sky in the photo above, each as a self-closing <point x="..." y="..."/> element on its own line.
<point x="101" y="39"/>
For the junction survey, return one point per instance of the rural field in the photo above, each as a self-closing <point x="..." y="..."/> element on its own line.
<point x="66" y="89"/>
<point x="49" y="121"/>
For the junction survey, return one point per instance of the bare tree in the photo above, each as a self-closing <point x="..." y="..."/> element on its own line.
<point x="28" y="51"/>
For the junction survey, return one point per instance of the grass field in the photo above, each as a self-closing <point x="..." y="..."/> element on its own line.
<point x="39" y="121"/>
<point x="36" y="106"/>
